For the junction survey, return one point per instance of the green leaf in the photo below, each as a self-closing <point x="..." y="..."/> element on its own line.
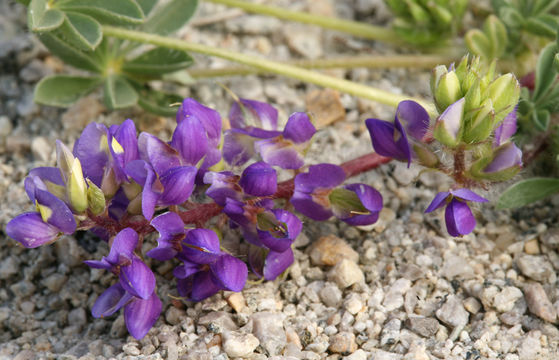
<point x="40" y="18"/>
<point x="158" y="61"/>
<point x="170" y="17"/>
<point x="120" y="12"/>
<point x="542" y="26"/>
<point x="81" y="31"/>
<point x="528" y="191"/>
<point x="541" y="119"/>
<point x="146" y="5"/>
<point x="24" y="2"/>
<point x="158" y="102"/>
<point x="496" y="33"/>
<point x="119" y="93"/>
<point x="64" y="90"/>
<point x="545" y="71"/>
<point x="69" y="54"/>
<point x="478" y="43"/>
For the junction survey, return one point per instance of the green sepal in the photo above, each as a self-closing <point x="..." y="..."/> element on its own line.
<point x="119" y="12"/>
<point x="64" y="90"/>
<point x="267" y="221"/>
<point x="476" y="170"/>
<point x="436" y="75"/>
<point x="528" y="191"/>
<point x="481" y="124"/>
<point x="95" y="198"/>
<point x="77" y="188"/>
<point x="81" y="31"/>
<point x="41" y="19"/>
<point x="119" y="93"/>
<point x="158" y="61"/>
<point x="504" y="92"/>
<point x="425" y="156"/>
<point x="346" y="203"/>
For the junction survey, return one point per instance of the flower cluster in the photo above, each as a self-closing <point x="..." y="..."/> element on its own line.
<point x="123" y="186"/>
<point x="477" y="121"/>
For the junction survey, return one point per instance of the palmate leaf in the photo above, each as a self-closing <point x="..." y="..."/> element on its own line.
<point x="170" y="17"/>
<point x="528" y="191"/>
<point x="81" y="31"/>
<point x="41" y="19"/>
<point x="158" y="61"/>
<point x="119" y="93"/>
<point x="64" y="90"/>
<point x="545" y="71"/>
<point x="146" y="5"/>
<point x="120" y="12"/>
<point x="69" y="54"/>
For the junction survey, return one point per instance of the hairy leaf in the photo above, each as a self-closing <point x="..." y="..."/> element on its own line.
<point x="545" y="71"/>
<point x="528" y="191"/>
<point x="158" y="61"/>
<point x="82" y="31"/>
<point x="119" y="93"/>
<point x="64" y="90"/>
<point x="40" y="18"/>
<point x="170" y="17"/>
<point x="68" y="53"/>
<point x="108" y="11"/>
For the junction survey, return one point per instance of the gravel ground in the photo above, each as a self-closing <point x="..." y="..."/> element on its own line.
<point x="400" y="289"/>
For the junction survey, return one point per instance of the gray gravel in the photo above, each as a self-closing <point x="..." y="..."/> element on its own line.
<point x="400" y="289"/>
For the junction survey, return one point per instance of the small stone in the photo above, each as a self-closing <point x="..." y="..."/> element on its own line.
<point x="457" y="266"/>
<point x="77" y="317"/>
<point x="174" y="315"/>
<point x="343" y="343"/>
<point x="238" y="344"/>
<point x="538" y="302"/>
<point x="54" y="282"/>
<point x="394" y="297"/>
<point x="237" y="301"/>
<point x="347" y="273"/>
<point x="219" y="321"/>
<point x="535" y="267"/>
<point x="34" y="71"/>
<point x="411" y="272"/>
<point x="8" y="267"/>
<point x="550" y="238"/>
<point x="452" y="312"/>
<point x="424" y="326"/>
<point x="329" y="250"/>
<point x="353" y="304"/>
<point x="532" y="247"/>
<point x="530" y="348"/>
<point x="472" y="305"/>
<point x="304" y="40"/>
<point x="81" y="112"/>
<point x="504" y="300"/>
<point x="6" y="126"/>
<point x="131" y="349"/>
<point x="68" y="251"/>
<point x="27" y="307"/>
<point x="330" y="295"/>
<point x="118" y="328"/>
<point x="390" y="334"/>
<point x="25" y="355"/>
<point x="41" y="148"/>
<point x="325" y="106"/>
<point x="386" y="216"/>
<point x="357" y="355"/>
<point x="268" y="328"/>
<point x="23" y="288"/>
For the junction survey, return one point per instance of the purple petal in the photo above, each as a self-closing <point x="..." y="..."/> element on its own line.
<point x="234" y="209"/>
<point x="110" y="301"/>
<point x="151" y="192"/>
<point x="438" y="202"/>
<point x="299" y="128"/>
<point x="507" y="128"/>
<point x="210" y="119"/>
<point x="280" y="152"/>
<point x="238" y="147"/>
<point x="506" y="157"/>
<point x="371" y="199"/>
<point x="201" y="246"/>
<point x="256" y="258"/>
<point x="307" y="205"/>
<point x="40" y="178"/>
<point x="123" y="244"/>
<point x="137" y="278"/>
<point x="276" y="263"/>
<point x="203" y="286"/>
<point x="61" y="216"/>
<point x="30" y="230"/>
<point x="223" y="185"/>
<point x="178" y="184"/>
<point x="383" y="134"/>
<point x="230" y="272"/>
<point x="158" y="153"/>
<point x="320" y="176"/>
<point x="190" y="139"/>
<point x="186" y="269"/>
<point x="99" y="264"/>
<point x="140" y="315"/>
<point x="253" y="113"/>
<point x="259" y="179"/>
<point x="171" y="229"/>
<point x="459" y="218"/>
<point x="414" y="117"/>
<point x="451" y="118"/>
<point x="91" y="148"/>
<point x="137" y="171"/>
<point x="468" y="195"/>
<point x="127" y="137"/>
<point x="280" y="241"/>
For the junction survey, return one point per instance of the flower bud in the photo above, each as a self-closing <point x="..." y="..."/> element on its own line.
<point x="504" y="92"/>
<point x="95" y="198"/>
<point x="448" y="126"/>
<point x="436" y="75"/>
<point x="448" y="91"/>
<point x="76" y="187"/>
<point x="503" y="164"/>
<point x="64" y="160"/>
<point x="480" y="125"/>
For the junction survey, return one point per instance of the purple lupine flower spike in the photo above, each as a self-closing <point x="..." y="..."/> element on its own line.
<point x="458" y="217"/>
<point x="259" y="179"/>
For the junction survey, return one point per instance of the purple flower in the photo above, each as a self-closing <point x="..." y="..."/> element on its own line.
<point x="269" y="264"/>
<point x="206" y="269"/>
<point x="223" y="185"/>
<point x="458" y="216"/>
<point x="259" y="179"/>
<point x="505" y="157"/>
<point x="135" y="277"/>
<point x="287" y="150"/>
<point x="171" y="234"/>
<point x="360" y="206"/>
<point x="507" y="128"/>
<point x="31" y="231"/>
<point x="391" y="139"/>
<point x="312" y="190"/>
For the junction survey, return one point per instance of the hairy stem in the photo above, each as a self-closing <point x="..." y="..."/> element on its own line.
<point x="345" y="62"/>
<point x="355" y="28"/>
<point x="291" y="71"/>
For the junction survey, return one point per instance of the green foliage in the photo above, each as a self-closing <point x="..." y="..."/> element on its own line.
<point x="528" y="191"/>
<point x="491" y="42"/>
<point x="427" y="22"/>
<point x="72" y="31"/>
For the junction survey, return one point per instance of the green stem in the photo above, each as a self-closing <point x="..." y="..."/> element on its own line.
<point x="351" y="27"/>
<point x="346" y="62"/>
<point x="291" y="71"/>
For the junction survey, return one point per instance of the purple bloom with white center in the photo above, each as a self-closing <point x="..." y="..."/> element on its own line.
<point x="135" y="277"/>
<point x="171" y="234"/>
<point x="287" y="150"/>
<point x="312" y="190"/>
<point x="458" y="217"/>
<point x="206" y="269"/>
<point x="259" y="179"/>
<point x="391" y="139"/>
<point x="223" y="185"/>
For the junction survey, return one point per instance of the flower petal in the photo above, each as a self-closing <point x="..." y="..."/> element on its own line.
<point x="276" y="263"/>
<point x="92" y="150"/>
<point x="459" y="218"/>
<point x="230" y="272"/>
<point x="505" y="157"/>
<point x="326" y="176"/>
<point x="468" y="195"/>
<point x="140" y="315"/>
<point x="137" y="278"/>
<point x="110" y="301"/>
<point x="203" y="286"/>
<point x="238" y="147"/>
<point x="414" y="117"/>
<point x="210" y="119"/>
<point x="253" y="113"/>
<point x="507" y="128"/>
<point x="371" y="199"/>
<point x="30" y="230"/>
<point x="59" y="215"/>
<point x="201" y="246"/>
<point x="123" y="244"/>
<point x="190" y="139"/>
<point x="382" y="135"/>
<point x="223" y="185"/>
<point x="158" y="153"/>
<point x="289" y="227"/>
<point x="438" y="202"/>
<point x="186" y="269"/>
<point x="178" y="184"/>
<point x="299" y="128"/>
<point x="259" y="179"/>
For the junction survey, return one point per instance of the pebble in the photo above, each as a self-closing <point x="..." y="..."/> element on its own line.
<point x="504" y="300"/>
<point x="536" y="268"/>
<point x="390" y="334"/>
<point x="394" y="298"/>
<point x="353" y="304"/>
<point x="68" y="251"/>
<point x="386" y="216"/>
<point x="236" y="301"/>
<point x="55" y="282"/>
<point x="5" y="126"/>
<point x="357" y="355"/>
<point x="457" y="266"/>
<point x="238" y="344"/>
<point x="452" y="312"/>
<point x="330" y="250"/>
<point x="268" y="328"/>
<point x="550" y="238"/>
<point x="330" y="295"/>
<point x="41" y="148"/>
<point x="343" y="343"/>
<point x="538" y="302"/>
<point x="424" y="326"/>
<point x="532" y="247"/>
<point x="8" y="267"/>
<point x="131" y="349"/>
<point x="174" y="315"/>
<point x="77" y="317"/>
<point x="325" y="106"/>
<point x="347" y="273"/>
<point x="23" y="288"/>
<point x="472" y="305"/>
<point x="530" y="348"/>
<point x="304" y="40"/>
